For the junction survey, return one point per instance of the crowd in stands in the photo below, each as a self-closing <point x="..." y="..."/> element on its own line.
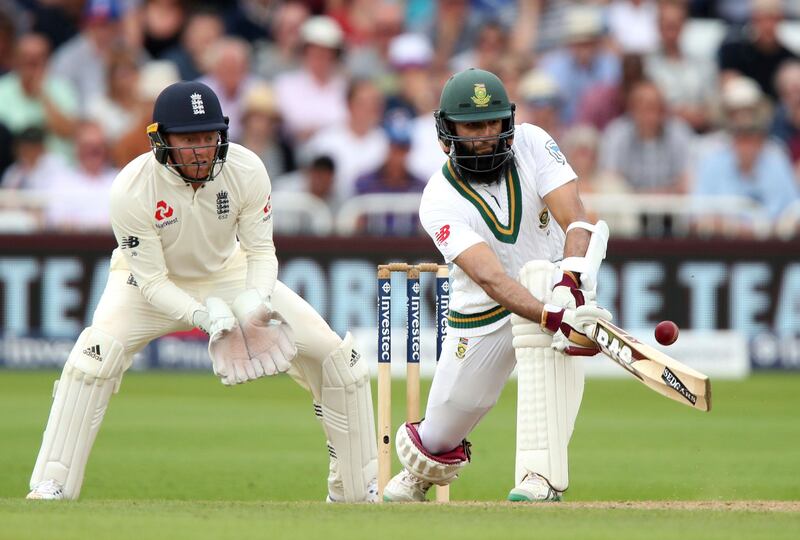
<point x="688" y="98"/>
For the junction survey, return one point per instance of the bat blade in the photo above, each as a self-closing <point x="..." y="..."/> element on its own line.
<point x="653" y="368"/>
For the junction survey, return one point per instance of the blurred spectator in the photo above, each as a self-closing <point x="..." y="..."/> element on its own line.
<point x="393" y="176"/>
<point x="6" y="149"/>
<point x="410" y="56"/>
<point x="745" y="165"/>
<point x="451" y="30"/>
<point x="757" y="52"/>
<point x="8" y="34"/>
<point x="313" y="97"/>
<point x="162" y="22"/>
<point x="261" y="130"/>
<point x="357" y="146"/>
<point x="581" y="144"/>
<point x="370" y="59"/>
<point x="83" y="59"/>
<point x="632" y="24"/>
<point x="79" y="196"/>
<point x="316" y="178"/>
<point x="203" y="28"/>
<point x="58" y="20"/>
<point x="281" y="54"/>
<point x="154" y="76"/>
<point x="490" y="46"/>
<point x="426" y="156"/>
<point x="34" y="168"/>
<point x="688" y="84"/>
<point x="584" y="63"/>
<point x="646" y="146"/>
<point x="786" y="124"/>
<point x="250" y="19"/>
<point x="605" y="102"/>
<point x="540" y="103"/>
<point x="31" y="98"/>
<point x="228" y="62"/>
<point x="117" y="109"/>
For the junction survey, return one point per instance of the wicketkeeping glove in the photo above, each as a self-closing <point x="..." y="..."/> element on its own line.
<point x="226" y="345"/>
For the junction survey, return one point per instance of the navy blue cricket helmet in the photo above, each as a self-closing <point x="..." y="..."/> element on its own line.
<point x="188" y="107"/>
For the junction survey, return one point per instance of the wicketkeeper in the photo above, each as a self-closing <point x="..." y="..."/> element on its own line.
<point x="193" y="221"/>
<point x="490" y="211"/>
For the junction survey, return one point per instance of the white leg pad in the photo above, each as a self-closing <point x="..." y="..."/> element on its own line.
<point x="550" y="388"/>
<point x="92" y="373"/>
<point x="348" y="419"/>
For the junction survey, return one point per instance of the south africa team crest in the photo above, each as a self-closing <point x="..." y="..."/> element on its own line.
<point x="544" y="218"/>
<point x="461" y="348"/>
<point x="481" y="98"/>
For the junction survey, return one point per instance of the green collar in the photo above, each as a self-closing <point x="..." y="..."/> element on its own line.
<point x="505" y="233"/>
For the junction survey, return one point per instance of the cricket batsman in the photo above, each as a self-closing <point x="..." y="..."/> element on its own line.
<point x="504" y="204"/>
<point x="193" y="223"/>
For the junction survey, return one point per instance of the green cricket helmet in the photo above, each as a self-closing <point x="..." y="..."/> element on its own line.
<point x="475" y="95"/>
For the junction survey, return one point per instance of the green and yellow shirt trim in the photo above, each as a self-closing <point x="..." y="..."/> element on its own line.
<point x="475" y="320"/>
<point x="504" y="233"/>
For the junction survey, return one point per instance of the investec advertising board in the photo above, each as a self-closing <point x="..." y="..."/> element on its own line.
<point x="729" y="298"/>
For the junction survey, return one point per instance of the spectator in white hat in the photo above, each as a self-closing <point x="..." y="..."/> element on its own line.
<point x="746" y="165"/>
<point x="540" y="102"/>
<point x="313" y="96"/>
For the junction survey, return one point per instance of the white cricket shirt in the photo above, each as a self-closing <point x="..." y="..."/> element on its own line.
<point x="510" y="216"/>
<point x="167" y="232"/>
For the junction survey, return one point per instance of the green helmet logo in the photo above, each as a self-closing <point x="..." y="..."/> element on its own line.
<point x="481" y="98"/>
<point x="475" y="95"/>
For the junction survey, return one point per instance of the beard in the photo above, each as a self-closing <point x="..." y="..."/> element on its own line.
<point x="487" y="168"/>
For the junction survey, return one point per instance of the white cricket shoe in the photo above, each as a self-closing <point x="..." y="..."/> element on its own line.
<point x="405" y="487"/>
<point x="534" y="488"/>
<point x="47" y="490"/>
<point x="372" y="494"/>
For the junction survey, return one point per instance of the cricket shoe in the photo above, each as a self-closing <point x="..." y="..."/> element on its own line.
<point x="534" y="488"/>
<point x="372" y="494"/>
<point x="405" y="487"/>
<point x="47" y="490"/>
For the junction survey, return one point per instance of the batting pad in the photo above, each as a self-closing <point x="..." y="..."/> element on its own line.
<point x="550" y="388"/>
<point x="348" y="419"/>
<point x="80" y="397"/>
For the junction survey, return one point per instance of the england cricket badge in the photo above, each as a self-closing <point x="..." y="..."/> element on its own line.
<point x="481" y="98"/>
<point x="461" y="349"/>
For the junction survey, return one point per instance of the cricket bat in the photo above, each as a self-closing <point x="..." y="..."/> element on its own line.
<point x="652" y="367"/>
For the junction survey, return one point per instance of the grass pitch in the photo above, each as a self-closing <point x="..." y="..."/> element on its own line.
<point x="180" y="456"/>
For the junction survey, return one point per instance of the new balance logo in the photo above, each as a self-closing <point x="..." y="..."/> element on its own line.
<point x="93" y="352"/>
<point x="197" y="104"/>
<point x="129" y="242"/>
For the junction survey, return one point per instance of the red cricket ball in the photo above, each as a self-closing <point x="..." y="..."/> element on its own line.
<point x="666" y="332"/>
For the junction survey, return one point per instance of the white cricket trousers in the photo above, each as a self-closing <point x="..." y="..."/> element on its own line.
<point x="126" y="315"/>
<point x="469" y="378"/>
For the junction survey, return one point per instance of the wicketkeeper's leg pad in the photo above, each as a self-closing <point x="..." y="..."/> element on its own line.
<point x="550" y="388"/>
<point x="440" y="469"/>
<point x="93" y="372"/>
<point x="348" y="419"/>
